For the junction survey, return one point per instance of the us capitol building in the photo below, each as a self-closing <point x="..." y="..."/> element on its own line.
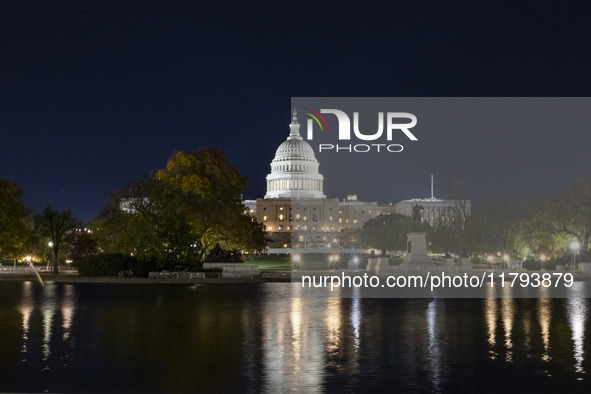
<point x="296" y="214"/>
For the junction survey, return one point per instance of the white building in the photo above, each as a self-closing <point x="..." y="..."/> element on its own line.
<point x="294" y="170"/>
<point x="434" y="208"/>
<point x="295" y="213"/>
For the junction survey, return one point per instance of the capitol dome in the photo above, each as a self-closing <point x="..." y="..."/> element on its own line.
<point x="295" y="148"/>
<point x="294" y="170"/>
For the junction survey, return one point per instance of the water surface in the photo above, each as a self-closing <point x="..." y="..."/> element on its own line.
<point x="266" y="337"/>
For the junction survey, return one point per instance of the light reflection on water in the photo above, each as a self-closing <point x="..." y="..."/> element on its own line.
<point x="545" y="320"/>
<point x="25" y="307"/>
<point x="508" y="316"/>
<point x="68" y="307"/>
<point x="271" y="338"/>
<point x="48" y="309"/>
<point x="577" y="315"/>
<point x="435" y="330"/>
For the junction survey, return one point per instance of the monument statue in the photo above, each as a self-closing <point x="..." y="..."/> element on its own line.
<point x="416" y="245"/>
<point x="417" y="215"/>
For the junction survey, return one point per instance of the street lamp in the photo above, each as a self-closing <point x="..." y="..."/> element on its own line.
<point x="574" y="246"/>
<point x="296" y="259"/>
<point x="50" y="244"/>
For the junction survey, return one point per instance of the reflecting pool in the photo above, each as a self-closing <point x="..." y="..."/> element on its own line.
<point x="267" y="337"/>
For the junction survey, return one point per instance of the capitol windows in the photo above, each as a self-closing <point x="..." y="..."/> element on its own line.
<point x="280" y="217"/>
<point x="280" y="228"/>
<point x="340" y="220"/>
<point x="265" y="217"/>
<point x="297" y="216"/>
<point x="270" y="228"/>
<point x="305" y="218"/>
<point x="281" y="208"/>
<point x="354" y="220"/>
<point x="301" y="238"/>
<point x="330" y="218"/>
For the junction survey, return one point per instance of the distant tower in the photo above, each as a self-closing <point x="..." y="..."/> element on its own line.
<point x="294" y="170"/>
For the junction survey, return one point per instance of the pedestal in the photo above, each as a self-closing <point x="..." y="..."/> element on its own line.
<point x="416" y="251"/>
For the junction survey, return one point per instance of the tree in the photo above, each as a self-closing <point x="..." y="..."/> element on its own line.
<point x="55" y="225"/>
<point x="182" y="212"/>
<point x="205" y="188"/>
<point x="80" y="243"/>
<point x="459" y="212"/>
<point x="439" y="236"/>
<point x="128" y="224"/>
<point x="387" y="232"/>
<point x="559" y="220"/>
<point x="494" y="226"/>
<point x="15" y="226"/>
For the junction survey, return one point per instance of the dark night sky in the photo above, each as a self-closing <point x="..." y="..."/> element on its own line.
<point x="95" y="94"/>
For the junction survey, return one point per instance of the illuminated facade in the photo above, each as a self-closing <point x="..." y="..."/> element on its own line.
<point x="434" y="208"/>
<point x="295" y="213"/>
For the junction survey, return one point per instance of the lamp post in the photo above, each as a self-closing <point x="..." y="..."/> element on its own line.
<point x="50" y="244"/>
<point x="296" y="259"/>
<point x="574" y="246"/>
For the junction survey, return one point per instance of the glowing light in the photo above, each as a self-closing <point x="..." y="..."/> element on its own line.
<point x="506" y="257"/>
<point x="543" y="257"/>
<point x="575" y="245"/>
<point x="489" y="258"/>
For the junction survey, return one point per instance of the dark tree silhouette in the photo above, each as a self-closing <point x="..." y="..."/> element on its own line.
<point x="55" y="225"/>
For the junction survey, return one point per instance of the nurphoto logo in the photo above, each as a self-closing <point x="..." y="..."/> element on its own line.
<point x="396" y="123"/>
